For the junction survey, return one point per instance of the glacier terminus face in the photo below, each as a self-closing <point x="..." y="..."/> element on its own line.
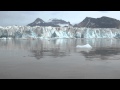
<point x="27" y="32"/>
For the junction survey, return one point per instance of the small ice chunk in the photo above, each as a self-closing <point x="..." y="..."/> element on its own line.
<point x="84" y="46"/>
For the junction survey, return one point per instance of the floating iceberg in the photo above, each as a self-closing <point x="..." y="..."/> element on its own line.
<point x="84" y="46"/>
<point x="3" y="38"/>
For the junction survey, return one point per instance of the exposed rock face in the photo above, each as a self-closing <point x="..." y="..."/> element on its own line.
<point x="103" y="22"/>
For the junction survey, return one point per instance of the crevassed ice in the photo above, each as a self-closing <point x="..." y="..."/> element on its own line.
<point x="27" y="32"/>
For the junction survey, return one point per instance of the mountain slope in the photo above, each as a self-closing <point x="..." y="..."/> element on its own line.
<point x="103" y="22"/>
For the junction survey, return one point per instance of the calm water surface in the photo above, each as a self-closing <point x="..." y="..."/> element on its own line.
<point x="59" y="59"/>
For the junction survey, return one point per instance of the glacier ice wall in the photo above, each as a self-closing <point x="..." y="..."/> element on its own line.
<point x="26" y="32"/>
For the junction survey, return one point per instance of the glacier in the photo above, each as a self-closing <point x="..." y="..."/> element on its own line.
<point x="40" y="32"/>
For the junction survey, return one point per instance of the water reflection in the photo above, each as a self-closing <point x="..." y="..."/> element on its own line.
<point x="54" y="48"/>
<point x="103" y="54"/>
<point x="103" y="49"/>
<point x="38" y="54"/>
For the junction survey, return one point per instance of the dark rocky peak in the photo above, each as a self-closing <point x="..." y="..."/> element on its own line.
<point x="106" y="18"/>
<point x="38" y="20"/>
<point x="89" y="18"/>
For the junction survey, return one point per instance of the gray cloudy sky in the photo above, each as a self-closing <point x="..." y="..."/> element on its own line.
<point x="25" y="17"/>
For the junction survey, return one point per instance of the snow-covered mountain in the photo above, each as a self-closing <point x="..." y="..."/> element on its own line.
<point x="40" y="22"/>
<point x="27" y="32"/>
<point x="60" y="22"/>
<point x="51" y="22"/>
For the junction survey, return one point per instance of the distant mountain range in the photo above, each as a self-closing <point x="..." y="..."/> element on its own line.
<point x="102" y="22"/>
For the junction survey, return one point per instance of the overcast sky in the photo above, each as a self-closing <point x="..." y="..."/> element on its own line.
<point x="26" y="17"/>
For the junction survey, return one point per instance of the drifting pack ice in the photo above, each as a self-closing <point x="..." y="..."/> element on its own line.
<point x="28" y="32"/>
